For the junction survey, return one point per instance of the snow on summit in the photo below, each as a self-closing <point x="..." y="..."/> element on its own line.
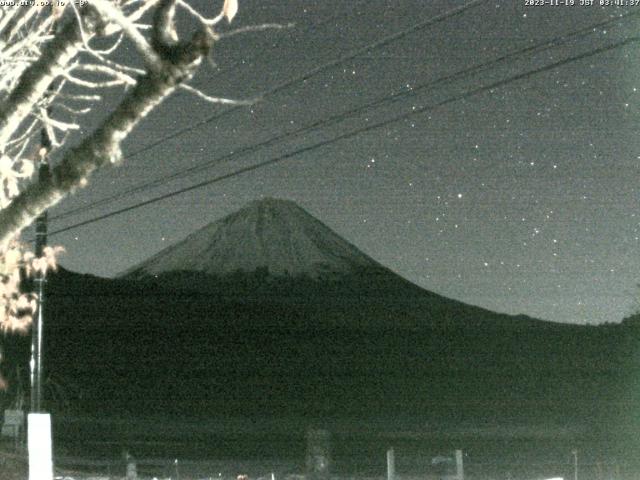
<point x="270" y="233"/>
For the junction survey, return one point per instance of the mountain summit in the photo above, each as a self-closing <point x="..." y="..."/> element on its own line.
<point x="273" y="252"/>
<point x="272" y="234"/>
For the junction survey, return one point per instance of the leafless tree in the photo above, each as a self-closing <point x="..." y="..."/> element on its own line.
<point x="51" y="73"/>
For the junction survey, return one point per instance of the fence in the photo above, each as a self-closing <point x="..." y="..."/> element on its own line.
<point x="174" y="469"/>
<point x="453" y="465"/>
<point x="383" y="458"/>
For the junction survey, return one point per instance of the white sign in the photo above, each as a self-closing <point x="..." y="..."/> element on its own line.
<point x="39" y="444"/>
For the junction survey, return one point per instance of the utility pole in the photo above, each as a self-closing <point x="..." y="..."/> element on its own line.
<point x="575" y="464"/>
<point x="39" y="441"/>
<point x="44" y="174"/>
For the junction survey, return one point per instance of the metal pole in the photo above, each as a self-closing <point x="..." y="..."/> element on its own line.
<point x="38" y="422"/>
<point x="459" y="465"/>
<point x="391" y="464"/>
<point x="40" y="280"/>
<point x="575" y="464"/>
<point x="39" y="439"/>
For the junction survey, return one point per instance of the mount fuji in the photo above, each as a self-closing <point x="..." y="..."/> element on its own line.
<point x="271" y="235"/>
<point x="273" y="252"/>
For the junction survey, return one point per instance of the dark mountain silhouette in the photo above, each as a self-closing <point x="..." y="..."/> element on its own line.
<point x="312" y="327"/>
<point x="272" y="251"/>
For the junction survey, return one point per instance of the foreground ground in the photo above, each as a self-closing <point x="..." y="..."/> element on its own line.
<point x="12" y="466"/>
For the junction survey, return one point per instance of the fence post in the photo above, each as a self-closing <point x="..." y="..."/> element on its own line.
<point x="459" y="465"/>
<point x="391" y="464"/>
<point x="318" y="454"/>
<point x="131" y="469"/>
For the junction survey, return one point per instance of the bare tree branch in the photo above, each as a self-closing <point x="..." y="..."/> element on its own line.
<point x="36" y="79"/>
<point x="255" y="28"/>
<point x="164" y="31"/>
<point x="111" y="12"/>
<point x="179" y="62"/>
<point x="210" y="99"/>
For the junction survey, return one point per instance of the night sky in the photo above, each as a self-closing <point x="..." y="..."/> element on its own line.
<point x="521" y="198"/>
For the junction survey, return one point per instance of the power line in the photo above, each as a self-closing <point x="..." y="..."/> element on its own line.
<point x="356" y="132"/>
<point x="316" y="70"/>
<point x="310" y="73"/>
<point x="336" y="118"/>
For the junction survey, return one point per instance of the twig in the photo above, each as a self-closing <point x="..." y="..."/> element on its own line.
<point x="223" y="101"/>
<point x="108" y="10"/>
<point x="255" y="28"/>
